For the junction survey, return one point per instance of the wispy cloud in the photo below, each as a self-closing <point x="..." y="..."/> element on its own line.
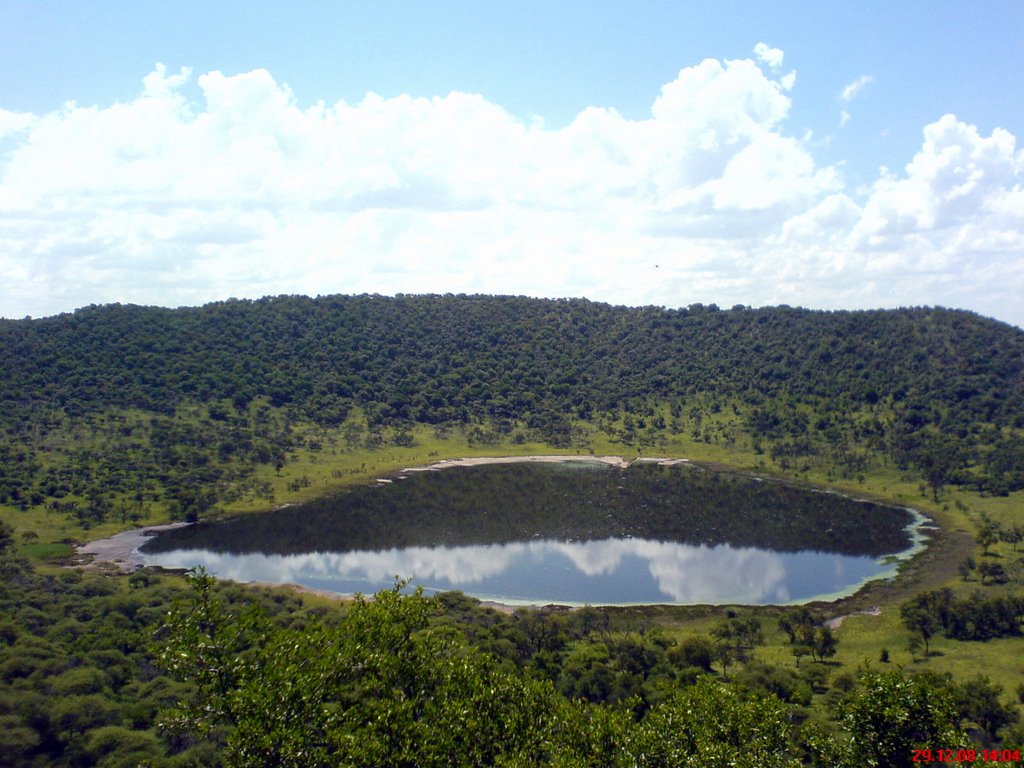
<point x="851" y="90"/>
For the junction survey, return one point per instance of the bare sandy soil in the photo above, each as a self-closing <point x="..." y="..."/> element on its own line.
<point x="121" y="551"/>
<point x="837" y="622"/>
<point x="615" y="461"/>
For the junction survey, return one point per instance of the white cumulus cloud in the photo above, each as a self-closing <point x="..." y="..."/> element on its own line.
<point x="216" y="185"/>
<point x="949" y="229"/>
<point x="768" y="55"/>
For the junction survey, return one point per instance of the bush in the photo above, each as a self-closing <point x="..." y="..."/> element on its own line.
<point x="17" y="741"/>
<point x="112" y="745"/>
<point x="79" y="681"/>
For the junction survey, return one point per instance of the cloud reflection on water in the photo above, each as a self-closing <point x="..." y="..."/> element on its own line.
<point x="631" y="570"/>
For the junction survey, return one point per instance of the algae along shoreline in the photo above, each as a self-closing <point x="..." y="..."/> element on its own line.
<point x="619" y="529"/>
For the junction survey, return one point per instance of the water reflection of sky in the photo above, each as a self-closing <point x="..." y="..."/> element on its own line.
<point x="608" y="571"/>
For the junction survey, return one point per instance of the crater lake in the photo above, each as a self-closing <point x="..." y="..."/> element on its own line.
<point x="567" y="532"/>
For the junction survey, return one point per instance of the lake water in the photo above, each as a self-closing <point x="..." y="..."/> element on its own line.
<point x="571" y="533"/>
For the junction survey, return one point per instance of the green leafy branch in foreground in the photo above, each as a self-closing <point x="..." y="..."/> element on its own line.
<point x="388" y="685"/>
<point x="408" y="680"/>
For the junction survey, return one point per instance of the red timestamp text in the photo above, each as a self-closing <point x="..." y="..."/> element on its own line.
<point x="965" y="755"/>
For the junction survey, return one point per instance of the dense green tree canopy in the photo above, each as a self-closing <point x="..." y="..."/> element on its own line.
<point x="437" y="358"/>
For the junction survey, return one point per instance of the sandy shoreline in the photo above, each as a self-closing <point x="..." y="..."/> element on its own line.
<point x="121" y="551"/>
<point x="613" y="461"/>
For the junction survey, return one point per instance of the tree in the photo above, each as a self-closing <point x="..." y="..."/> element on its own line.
<point x="697" y="651"/>
<point x="737" y="638"/>
<point x="992" y="571"/>
<point x="926" y="613"/>
<point x="799" y="651"/>
<point x="807" y="634"/>
<point x="17" y="740"/>
<point x="988" y="534"/>
<point x="385" y="687"/>
<point x="711" y="725"/>
<point x="914" y="645"/>
<point x="792" y="620"/>
<point x="892" y="714"/>
<point x="966" y="566"/>
<point x="978" y="702"/>
<point x="6" y="536"/>
<point x="115" y="745"/>
<point x="1013" y="535"/>
<point x="823" y="645"/>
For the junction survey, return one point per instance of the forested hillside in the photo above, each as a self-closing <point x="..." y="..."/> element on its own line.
<point x="448" y="358"/>
<point x="934" y="390"/>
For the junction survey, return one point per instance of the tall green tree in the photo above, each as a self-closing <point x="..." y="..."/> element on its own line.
<point x="979" y="702"/>
<point x="386" y="687"/>
<point x="713" y="725"/>
<point x="892" y="714"/>
<point x="926" y="613"/>
<point x="6" y="536"/>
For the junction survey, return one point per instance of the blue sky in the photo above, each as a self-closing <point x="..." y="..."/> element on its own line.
<point x="662" y="152"/>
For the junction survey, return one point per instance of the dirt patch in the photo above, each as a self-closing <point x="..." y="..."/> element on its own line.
<point x="837" y="622"/>
<point x="120" y="551"/>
